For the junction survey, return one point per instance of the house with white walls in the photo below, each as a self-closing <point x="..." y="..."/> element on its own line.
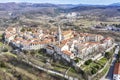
<point x="67" y="44"/>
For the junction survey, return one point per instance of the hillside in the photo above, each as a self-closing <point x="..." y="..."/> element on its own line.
<point x="12" y="14"/>
<point x="55" y="9"/>
<point x="115" y="4"/>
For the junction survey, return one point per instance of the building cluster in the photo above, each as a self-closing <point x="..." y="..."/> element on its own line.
<point x="63" y="44"/>
<point x="108" y="27"/>
<point x="28" y="39"/>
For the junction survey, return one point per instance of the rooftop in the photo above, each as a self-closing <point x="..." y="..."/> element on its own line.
<point x="117" y="68"/>
<point x="67" y="52"/>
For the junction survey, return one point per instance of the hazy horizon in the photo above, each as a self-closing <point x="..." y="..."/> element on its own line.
<point x="92" y="2"/>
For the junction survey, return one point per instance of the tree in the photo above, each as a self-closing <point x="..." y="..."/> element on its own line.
<point x="88" y="62"/>
<point x="25" y="51"/>
<point x="22" y="30"/>
<point x="94" y="70"/>
<point x="97" y="67"/>
<point x="108" y="55"/>
<point x="5" y="50"/>
<point x="77" y="60"/>
<point x="118" y="56"/>
<point x="2" y="64"/>
<point x="32" y="52"/>
<point x="41" y="51"/>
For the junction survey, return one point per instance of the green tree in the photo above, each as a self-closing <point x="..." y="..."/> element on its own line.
<point x="33" y="52"/>
<point x="118" y="56"/>
<point x="108" y="55"/>
<point x="23" y="30"/>
<point x="97" y="67"/>
<point x="94" y="70"/>
<point x="88" y="62"/>
<point x="2" y="64"/>
<point x="5" y="50"/>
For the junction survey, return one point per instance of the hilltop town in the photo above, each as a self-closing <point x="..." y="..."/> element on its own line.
<point x="67" y="44"/>
<point x="44" y="41"/>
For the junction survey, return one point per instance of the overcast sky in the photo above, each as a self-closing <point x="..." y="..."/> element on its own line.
<point x="102" y="2"/>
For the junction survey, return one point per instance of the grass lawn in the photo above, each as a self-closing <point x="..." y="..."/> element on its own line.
<point x="90" y="67"/>
<point x="60" y="65"/>
<point x="98" y="76"/>
<point x="0" y="36"/>
<point x="73" y="73"/>
<point x="100" y="63"/>
<point x="22" y="71"/>
<point x="87" y="67"/>
<point x="59" y="69"/>
<point x="4" y="70"/>
<point x="1" y="44"/>
<point x="105" y="70"/>
<point x="11" y="54"/>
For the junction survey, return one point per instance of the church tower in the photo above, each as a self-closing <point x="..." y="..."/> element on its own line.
<point x="59" y="34"/>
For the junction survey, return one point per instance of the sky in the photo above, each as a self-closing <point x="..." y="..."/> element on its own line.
<point x="100" y="2"/>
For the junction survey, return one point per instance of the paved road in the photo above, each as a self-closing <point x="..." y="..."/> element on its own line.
<point x="109" y="75"/>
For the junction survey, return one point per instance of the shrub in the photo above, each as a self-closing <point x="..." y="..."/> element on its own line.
<point x="2" y="64"/>
<point x="77" y="60"/>
<point x="41" y="51"/>
<point x="108" y="55"/>
<point x="4" y="50"/>
<point x="88" y="62"/>
<point x="119" y="54"/>
<point x="25" y="51"/>
<point x="22" y="30"/>
<point x="94" y="70"/>
<point x="97" y="67"/>
<point x="33" y="52"/>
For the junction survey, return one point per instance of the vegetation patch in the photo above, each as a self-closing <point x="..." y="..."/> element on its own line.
<point x="1" y="44"/>
<point x="92" y="67"/>
<point x="88" y="62"/>
<point x="10" y="54"/>
<point x="108" y="55"/>
<point x="98" y="76"/>
<point x="102" y="61"/>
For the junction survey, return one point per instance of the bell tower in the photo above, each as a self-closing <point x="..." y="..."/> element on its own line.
<point x="59" y="34"/>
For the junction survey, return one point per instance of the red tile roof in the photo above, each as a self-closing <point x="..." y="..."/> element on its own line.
<point x="66" y="32"/>
<point x="67" y="52"/>
<point x="117" y="68"/>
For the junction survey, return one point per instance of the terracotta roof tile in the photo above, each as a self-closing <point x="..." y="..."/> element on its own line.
<point x="66" y="32"/>
<point x="67" y="52"/>
<point x="117" y="68"/>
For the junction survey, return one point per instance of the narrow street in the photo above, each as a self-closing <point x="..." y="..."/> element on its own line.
<point x="109" y="75"/>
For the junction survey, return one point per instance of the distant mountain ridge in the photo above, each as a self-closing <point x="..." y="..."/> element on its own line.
<point x="19" y="6"/>
<point x="115" y="4"/>
<point x="54" y="9"/>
